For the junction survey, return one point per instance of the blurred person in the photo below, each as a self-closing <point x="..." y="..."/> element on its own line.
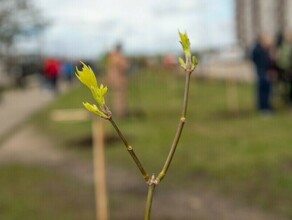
<point x="117" y="78"/>
<point x="284" y="62"/>
<point x="280" y="83"/>
<point x="169" y="61"/>
<point x="264" y="65"/>
<point x="19" y="75"/>
<point x="279" y="40"/>
<point x="52" y="68"/>
<point x="68" y="70"/>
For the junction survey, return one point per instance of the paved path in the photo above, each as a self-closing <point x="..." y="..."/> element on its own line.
<point x="16" y="106"/>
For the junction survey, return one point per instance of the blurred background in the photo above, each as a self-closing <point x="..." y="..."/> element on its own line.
<point x="234" y="160"/>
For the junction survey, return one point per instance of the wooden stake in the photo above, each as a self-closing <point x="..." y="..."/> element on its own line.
<point x="99" y="169"/>
<point x="73" y="115"/>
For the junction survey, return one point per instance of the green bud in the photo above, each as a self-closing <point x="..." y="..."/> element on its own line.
<point x="190" y="62"/>
<point x="182" y="62"/>
<point x="185" y="42"/>
<point x="194" y="61"/>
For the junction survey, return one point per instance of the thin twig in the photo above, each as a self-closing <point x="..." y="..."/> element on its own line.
<point x="151" y="188"/>
<point x="186" y="94"/>
<point x="178" y="131"/>
<point x="131" y="151"/>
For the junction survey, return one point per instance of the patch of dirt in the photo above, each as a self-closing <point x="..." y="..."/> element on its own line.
<point x="127" y="190"/>
<point x="28" y="146"/>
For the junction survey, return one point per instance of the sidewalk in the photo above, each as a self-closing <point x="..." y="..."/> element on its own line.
<point x="18" y="105"/>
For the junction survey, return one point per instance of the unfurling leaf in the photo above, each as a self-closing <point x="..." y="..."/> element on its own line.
<point x="87" y="77"/>
<point x="98" y="94"/>
<point x="182" y="62"/>
<point x="94" y="109"/>
<point x="190" y="62"/>
<point x="185" y="42"/>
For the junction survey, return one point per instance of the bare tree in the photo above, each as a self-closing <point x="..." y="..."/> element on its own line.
<point x="17" y="18"/>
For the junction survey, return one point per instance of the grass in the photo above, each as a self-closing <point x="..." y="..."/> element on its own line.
<point x="238" y="153"/>
<point x="30" y="192"/>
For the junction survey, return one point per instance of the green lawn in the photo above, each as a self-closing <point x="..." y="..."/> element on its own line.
<point x="34" y="193"/>
<point x="239" y="153"/>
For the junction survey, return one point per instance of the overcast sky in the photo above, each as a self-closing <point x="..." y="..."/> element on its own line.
<point x="87" y="28"/>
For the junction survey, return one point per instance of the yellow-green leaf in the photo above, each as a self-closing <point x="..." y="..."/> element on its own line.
<point x="86" y="76"/>
<point x="94" y="109"/>
<point x="182" y="62"/>
<point x="98" y="94"/>
<point x="185" y="42"/>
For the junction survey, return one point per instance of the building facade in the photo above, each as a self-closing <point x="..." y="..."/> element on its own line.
<point x="254" y="17"/>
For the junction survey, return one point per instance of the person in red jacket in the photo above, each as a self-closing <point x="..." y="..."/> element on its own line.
<point x="52" y="69"/>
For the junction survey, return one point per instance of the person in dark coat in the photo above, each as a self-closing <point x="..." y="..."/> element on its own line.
<point x="261" y="57"/>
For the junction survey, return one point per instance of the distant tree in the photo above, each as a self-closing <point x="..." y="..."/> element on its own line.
<point x="18" y="18"/>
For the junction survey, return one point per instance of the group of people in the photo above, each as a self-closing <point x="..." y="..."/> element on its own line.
<point x="273" y="64"/>
<point x="53" y="69"/>
<point x="116" y="76"/>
